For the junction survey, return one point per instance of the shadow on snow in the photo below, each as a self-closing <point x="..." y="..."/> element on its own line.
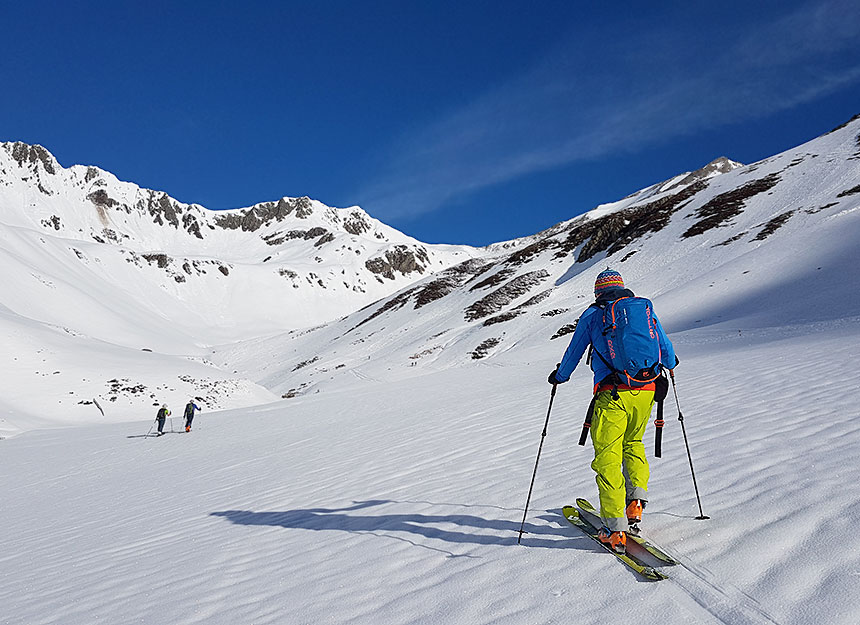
<point x="467" y="529"/>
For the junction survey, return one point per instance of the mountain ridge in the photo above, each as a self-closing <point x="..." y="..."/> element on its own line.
<point x="790" y="217"/>
<point x="223" y="328"/>
<point x="310" y="246"/>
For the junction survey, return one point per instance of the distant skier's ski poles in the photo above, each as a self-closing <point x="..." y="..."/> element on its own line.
<point x="542" y="437"/>
<point x="701" y="516"/>
<point x="150" y="429"/>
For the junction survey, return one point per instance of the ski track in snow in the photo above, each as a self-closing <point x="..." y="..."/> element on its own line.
<point x="400" y="503"/>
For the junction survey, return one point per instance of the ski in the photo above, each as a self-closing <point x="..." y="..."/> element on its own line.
<point x="648" y="572"/>
<point x="589" y="515"/>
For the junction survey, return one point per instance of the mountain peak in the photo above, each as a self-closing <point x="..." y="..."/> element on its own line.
<point x="721" y="165"/>
<point x="34" y="155"/>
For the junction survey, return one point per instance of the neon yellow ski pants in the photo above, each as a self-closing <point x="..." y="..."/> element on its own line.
<point x="617" y="427"/>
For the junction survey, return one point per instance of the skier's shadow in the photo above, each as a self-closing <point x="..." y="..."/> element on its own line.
<point x="469" y="529"/>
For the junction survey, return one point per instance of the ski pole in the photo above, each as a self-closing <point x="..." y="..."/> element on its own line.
<point x="531" y="486"/>
<point x="586" y="426"/>
<point x="150" y="429"/>
<point x="660" y="392"/>
<point x="702" y="515"/>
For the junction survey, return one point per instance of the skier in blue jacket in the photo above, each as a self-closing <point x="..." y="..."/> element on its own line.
<point x="621" y="413"/>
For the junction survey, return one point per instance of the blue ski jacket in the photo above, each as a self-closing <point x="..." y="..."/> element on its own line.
<point x="589" y="331"/>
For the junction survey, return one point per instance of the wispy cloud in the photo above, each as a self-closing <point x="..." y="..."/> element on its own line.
<point x="587" y="100"/>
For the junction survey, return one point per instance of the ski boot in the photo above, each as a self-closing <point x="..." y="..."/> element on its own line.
<point x="187" y="428"/>
<point x="617" y="541"/>
<point x="634" y="515"/>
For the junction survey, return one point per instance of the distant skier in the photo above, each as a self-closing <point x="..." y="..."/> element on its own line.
<point x="161" y="417"/>
<point x="190" y="407"/>
<point x="622" y="399"/>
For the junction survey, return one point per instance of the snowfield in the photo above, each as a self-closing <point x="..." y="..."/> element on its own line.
<point x="400" y="502"/>
<point x="373" y="469"/>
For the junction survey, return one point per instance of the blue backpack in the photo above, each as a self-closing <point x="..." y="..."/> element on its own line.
<point x="630" y="345"/>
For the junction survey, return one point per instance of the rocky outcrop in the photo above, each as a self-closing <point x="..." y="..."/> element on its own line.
<point x="720" y="210"/>
<point x="34" y="155"/>
<point x="501" y="297"/>
<point x="252" y="219"/>
<point x="101" y="198"/>
<point x="773" y="225"/>
<point x="54" y="222"/>
<point x="483" y="349"/>
<point x="401" y="259"/>
<point x="720" y="165"/>
<point x="615" y="231"/>
<point x="396" y="302"/>
<point x="448" y="281"/>
<point x="280" y="237"/>
<point x="162" y="210"/>
<point x="494" y="279"/>
<point x="356" y="224"/>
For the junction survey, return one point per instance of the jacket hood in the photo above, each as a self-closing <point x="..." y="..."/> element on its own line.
<point x="612" y="295"/>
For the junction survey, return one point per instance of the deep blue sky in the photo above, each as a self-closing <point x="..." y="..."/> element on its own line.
<point x="455" y="122"/>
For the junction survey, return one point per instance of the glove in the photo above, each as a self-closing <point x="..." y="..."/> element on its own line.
<point x="552" y="379"/>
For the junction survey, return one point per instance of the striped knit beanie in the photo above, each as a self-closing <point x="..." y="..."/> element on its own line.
<point x="606" y="280"/>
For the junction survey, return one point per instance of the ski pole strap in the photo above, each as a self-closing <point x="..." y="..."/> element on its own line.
<point x="587" y="424"/>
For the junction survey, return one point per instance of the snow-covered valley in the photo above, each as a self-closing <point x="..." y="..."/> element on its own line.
<point x="374" y="468"/>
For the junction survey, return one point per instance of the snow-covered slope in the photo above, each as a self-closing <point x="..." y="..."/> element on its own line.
<point x="388" y="487"/>
<point x="219" y="275"/>
<point x="398" y="502"/>
<point x="94" y="265"/>
<point x="765" y="245"/>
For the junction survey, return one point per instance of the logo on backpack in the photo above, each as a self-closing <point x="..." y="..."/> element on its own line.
<point x="632" y="342"/>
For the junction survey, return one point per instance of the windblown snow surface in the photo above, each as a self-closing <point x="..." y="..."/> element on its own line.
<point x="394" y="495"/>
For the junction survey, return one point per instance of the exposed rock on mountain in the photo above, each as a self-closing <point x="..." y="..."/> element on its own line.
<point x="733" y="226"/>
<point x="336" y="260"/>
<point x="295" y="294"/>
<point x="400" y="259"/>
<point x="721" y="209"/>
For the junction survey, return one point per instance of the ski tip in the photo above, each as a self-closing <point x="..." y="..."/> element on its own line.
<point x="653" y="574"/>
<point x="570" y="513"/>
<point x="584" y="504"/>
